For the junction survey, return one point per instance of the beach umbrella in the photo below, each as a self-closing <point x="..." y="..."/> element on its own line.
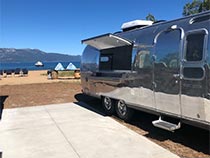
<point x="71" y="67"/>
<point x="59" y="66"/>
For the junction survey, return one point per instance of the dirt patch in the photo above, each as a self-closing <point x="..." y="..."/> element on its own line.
<point x="39" y="94"/>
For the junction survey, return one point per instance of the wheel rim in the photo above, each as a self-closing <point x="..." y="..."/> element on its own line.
<point x="107" y="103"/>
<point x="122" y="108"/>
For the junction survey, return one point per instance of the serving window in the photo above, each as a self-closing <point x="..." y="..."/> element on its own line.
<point x="118" y="58"/>
<point x="115" y="51"/>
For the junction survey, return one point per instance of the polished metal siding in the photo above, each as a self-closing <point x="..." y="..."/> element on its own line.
<point x="137" y="86"/>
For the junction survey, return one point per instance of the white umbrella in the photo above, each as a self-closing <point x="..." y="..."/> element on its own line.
<point x="71" y="67"/>
<point x="59" y="67"/>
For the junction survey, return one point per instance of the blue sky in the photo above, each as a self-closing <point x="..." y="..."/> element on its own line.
<point x="60" y="25"/>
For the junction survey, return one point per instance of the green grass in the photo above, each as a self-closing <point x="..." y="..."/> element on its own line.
<point x="65" y="73"/>
<point x="43" y="74"/>
<point x="62" y="74"/>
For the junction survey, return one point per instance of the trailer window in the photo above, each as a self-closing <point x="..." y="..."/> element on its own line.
<point x="194" y="55"/>
<point x="90" y="59"/>
<point x="142" y="60"/>
<point x="106" y="62"/>
<point x="104" y="59"/>
<point x="193" y="72"/>
<point x="194" y="48"/>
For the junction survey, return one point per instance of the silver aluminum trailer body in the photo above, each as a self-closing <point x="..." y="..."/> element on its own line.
<point x="163" y="68"/>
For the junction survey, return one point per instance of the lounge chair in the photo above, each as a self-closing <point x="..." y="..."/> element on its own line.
<point x="25" y="72"/>
<point x="8" y="72"/>
<point x="17" y="71"/>
<point x="1" y="73"/>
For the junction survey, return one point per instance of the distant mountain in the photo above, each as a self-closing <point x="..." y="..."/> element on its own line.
<point x="33" y="55"/>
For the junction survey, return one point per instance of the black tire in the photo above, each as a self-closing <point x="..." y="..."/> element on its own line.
<point x="123" y="111"/>
<point x="108" y="105"/>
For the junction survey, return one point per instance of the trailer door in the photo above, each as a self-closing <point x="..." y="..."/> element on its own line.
<point x="167" y="71"/>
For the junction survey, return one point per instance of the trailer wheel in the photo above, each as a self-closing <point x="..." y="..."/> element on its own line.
<point x="108" y="105"/>
<point x="123" y="111"/>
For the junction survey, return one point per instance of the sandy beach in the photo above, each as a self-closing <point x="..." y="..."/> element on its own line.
<point x="39" y="76"/>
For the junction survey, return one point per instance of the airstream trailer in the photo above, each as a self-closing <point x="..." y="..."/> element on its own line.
<point x="161" y="68"/>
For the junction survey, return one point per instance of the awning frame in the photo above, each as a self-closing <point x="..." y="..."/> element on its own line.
<point x="107" y="41"/>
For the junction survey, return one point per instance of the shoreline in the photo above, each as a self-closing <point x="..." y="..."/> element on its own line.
<point x="31" y="65"/>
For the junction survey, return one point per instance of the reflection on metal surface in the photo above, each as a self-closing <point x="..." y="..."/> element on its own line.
<point x="162" y="70"/>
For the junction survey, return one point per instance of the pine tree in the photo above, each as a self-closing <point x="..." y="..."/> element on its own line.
<point x="197" y="6"/>
<point x="150" y="17"/>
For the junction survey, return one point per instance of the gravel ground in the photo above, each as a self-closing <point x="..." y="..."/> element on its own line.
<point x="188" y="142"/>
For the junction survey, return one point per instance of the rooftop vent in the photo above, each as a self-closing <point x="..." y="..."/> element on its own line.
<point x="199" y="19"/>
<point x="135" y="24"/>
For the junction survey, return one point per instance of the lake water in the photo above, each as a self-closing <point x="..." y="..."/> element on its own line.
<point x="31" y="66"/>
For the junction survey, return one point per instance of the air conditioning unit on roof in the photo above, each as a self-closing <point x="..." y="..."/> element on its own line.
<point x="135" y="24"/>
